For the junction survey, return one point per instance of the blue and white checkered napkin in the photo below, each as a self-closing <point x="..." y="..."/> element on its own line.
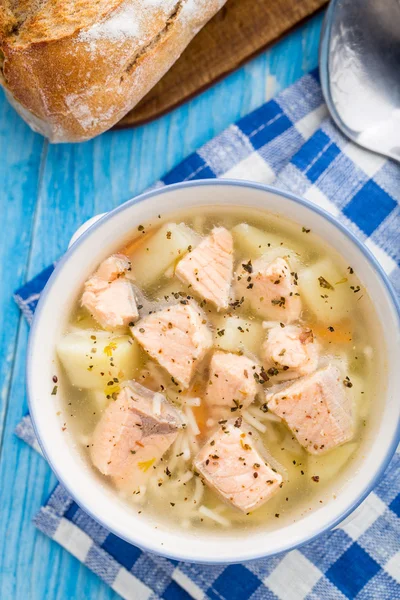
<point x="291" y="142"/>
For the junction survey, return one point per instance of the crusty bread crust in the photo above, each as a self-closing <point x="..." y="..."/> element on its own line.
<point x="74" y="68"/>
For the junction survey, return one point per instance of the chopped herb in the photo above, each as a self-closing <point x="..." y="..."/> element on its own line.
<point x="236" y="303"/>
<point x="221" y="332"/>
<point x="250" y="286"/>
<point x="263" y="375"/>
<point x="169" y="235"/>
<point x="248" y="267"/>
<point x="305" y="230"/>
<point x="350" y="270"/>
<point x="237" y="405"/>
<point x="273" y="371"/>
<point x="279" y="301"/>
<point x="238" y="422"/>
<point x="330" y="328"/>
<point x="172" y="503"/>
<point x="325" y="284"/>
<point x="54" y="390"/>
<point x="347" y="382"/>
<point x="140" y="228"/>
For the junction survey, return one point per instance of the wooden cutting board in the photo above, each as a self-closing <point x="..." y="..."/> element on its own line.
<point x="240" y="30"/>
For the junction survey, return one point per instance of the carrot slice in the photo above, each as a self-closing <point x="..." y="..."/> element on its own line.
<point x="200" y="414"/>
<point x="138" y="242"/>
<point x="339" y="333"/>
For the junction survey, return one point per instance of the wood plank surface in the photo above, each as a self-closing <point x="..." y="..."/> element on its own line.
<point x="46" y="192"/>
<point x="21" y="153"/>
<point x="239" y="31"/>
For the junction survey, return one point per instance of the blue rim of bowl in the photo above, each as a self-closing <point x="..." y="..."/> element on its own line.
<point x="158" y="192"/>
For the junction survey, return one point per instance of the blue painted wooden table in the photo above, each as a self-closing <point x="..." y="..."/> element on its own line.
<point x="46" y="193"/>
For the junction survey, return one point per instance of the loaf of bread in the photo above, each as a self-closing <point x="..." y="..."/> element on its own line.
<point x="74" y="68"/>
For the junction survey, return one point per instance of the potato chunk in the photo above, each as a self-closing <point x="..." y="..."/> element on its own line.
<point x="93" y="358"/>
<point x="235" y="333"/>
<point x="160" y="251"/>
<point x="253" y="242"/>
<point x="326" y="291"/>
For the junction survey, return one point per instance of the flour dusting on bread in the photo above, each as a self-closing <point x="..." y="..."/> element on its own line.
<point x="130" y="20"/>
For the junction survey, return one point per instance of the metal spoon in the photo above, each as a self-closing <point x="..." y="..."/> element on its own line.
<point x="360" y="71"/>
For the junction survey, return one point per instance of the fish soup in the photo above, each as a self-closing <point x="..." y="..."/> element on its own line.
<point x="222" y="370"/>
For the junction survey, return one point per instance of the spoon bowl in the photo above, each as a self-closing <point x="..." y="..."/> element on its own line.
<point x="359" y="64"/>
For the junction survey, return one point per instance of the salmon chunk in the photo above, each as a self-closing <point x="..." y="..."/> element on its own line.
<point x="177" y="337"/>
<point x="231" y="465"/>
<point x="113" y="267"/>
<point x="132" y="435"/>
<point x="231" y="384"/>
<point x="270" y="289"/>
<point x="208" y="269"/>
<point x="109" y="295"/>
<point x="290" y="352"/>
<point x="316" y="409"/>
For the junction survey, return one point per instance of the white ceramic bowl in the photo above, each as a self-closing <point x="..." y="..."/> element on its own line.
<point x="51" y="316"/>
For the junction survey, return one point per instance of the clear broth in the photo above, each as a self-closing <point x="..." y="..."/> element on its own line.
<point x="355" y="346"/>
